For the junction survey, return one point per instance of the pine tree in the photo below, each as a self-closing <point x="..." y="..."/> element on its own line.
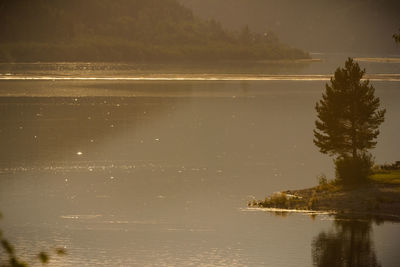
<point x="348" y="118"/>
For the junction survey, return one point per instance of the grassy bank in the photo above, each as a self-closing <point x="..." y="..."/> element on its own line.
<point x="386" y="177"/>
<point x="379" y="197"/>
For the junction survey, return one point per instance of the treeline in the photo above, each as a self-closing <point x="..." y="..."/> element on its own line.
<point x="360" y="26"/>
<point x="124" y="30"/>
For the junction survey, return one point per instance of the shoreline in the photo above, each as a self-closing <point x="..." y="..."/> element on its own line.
<point x="374" y="200"/>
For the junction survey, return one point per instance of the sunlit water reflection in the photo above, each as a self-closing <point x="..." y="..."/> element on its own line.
<point x="136" y="173"/>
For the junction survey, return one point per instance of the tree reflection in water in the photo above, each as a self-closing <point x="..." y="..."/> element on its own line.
<point x="348" y="244"/>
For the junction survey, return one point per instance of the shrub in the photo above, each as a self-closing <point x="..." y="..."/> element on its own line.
<point x="277" y="200"/>
<point x="313" y="201"/>
<point x="322" y="180"/>
<point x="353" y="170"/>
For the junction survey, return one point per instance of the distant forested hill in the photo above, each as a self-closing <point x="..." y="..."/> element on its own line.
<point x="361" y="26"/>
<point x="124" y="30"/>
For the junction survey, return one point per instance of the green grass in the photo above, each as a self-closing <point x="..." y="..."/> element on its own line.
<point x="387" y="177"/>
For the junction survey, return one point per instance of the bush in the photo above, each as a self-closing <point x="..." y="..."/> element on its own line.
<point x="322" y="180"/>
<point x="313" y="201"/>
<point x="353" y="170"/>
<point x="277" y="200"/>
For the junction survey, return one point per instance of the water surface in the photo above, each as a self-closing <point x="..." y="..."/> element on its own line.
<point x="158" y="172"/>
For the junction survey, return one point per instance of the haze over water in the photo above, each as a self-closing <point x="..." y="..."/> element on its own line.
<point x="129" y="165"/>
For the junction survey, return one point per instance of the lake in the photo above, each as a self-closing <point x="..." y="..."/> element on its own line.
<point x="137" y="165"/>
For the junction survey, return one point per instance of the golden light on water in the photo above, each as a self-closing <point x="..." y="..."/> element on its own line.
<point x="136" y="132"/>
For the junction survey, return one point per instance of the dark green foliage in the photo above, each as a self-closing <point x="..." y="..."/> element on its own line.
<point x="7" y="247"/>
<point x="348" y="114"/>
<point x="14" y="261"/>
<point x="43" y="257"/>
<point x="396" y="37"/>
<point x="348" y="120"/>
<point x="123" y="30"/>
<point x="353" y="170"/>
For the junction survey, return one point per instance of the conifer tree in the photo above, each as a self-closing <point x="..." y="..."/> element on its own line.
<point x="349" y="117"/>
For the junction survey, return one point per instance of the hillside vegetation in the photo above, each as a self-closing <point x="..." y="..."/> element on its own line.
<point x="350" y="26"/>
<point x="124" y="30"/>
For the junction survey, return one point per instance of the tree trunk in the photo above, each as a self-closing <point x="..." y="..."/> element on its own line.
<point x="354" y="152"/>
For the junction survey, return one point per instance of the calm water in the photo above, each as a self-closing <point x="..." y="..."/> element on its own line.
<point x="158" y="172"/>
